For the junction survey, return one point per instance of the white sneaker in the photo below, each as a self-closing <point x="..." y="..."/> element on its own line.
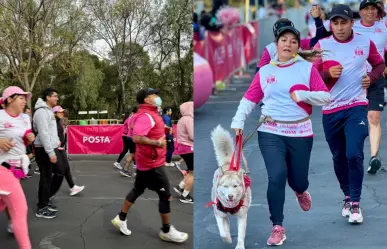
<point x="117" y="165"/>
<point x="356" y="215"/>
<point x="169" y="164"/>
<point x="173" y="235"/>
<point x="76" y="189"/>
<point x="121" y="225"/>
<point x="134" y="166"/>
<point x="10" y="228"/>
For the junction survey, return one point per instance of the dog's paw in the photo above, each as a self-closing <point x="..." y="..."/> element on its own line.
<point x="227" y="239"/>
<point x="240" y="246"/>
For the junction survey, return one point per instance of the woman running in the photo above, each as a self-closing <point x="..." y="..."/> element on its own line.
<point x="185" y="139"/>
<point x="285" y="137"/>
<point x="126" y="171"/>
<point x="125" y="142"/>
<point x="15" y="128"/>
<point x="59" y="114"/>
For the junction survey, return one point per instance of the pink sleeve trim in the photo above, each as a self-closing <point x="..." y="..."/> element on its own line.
<point x="265" y="59"/>
<point x="316" y="82"/>
<point x="255" y="93"/>
<point x="25" y="140"/>
<point x="374" y="58"/>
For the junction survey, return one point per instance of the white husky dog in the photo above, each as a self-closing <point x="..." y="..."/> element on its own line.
<point x="230" y="195"/>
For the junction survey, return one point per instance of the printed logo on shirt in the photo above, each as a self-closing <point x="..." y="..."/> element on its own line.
<point x="220" y="55"/>
<point x="359" y="52"/>
<point x="96" y="140"/>
<point x="7" y="125"/>
<point x="378" y="30"/>
<point x="271" y="79"/>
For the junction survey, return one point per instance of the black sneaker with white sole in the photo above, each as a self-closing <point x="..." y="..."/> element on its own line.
<point x="374" y="165"/>
<point x="45" y="213"/>
<point x="187" y="199"/>
<point x="178" y="190"/>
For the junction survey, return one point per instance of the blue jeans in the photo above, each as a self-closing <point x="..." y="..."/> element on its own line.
<point x="345" y="132"/>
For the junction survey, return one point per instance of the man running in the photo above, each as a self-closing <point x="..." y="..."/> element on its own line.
<point x="343" y="68"/>
<point x="149" y="137"/>
<point x="375" y="30"/>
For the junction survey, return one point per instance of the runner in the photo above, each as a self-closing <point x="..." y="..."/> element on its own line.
<point x="167" y="112"/>
<point x="15" y="134"/>
<point x="125" y="142"/>
<point x="185" y="139"/>
<point x="30" y="153"/>
<point x="126" y="171"/>
<point x="47" y="154"/>
<point x="375" y="30"/>
<point x="343" y="69"/>
<point x="74" y="189"/>
<point x="149" y="136"/>
<point x="305" y="44"/>
<point x="286" y="136"/>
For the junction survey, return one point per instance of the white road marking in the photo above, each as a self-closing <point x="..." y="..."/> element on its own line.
<point x="46" y="242"/>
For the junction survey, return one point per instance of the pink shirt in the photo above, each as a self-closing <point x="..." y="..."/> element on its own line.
<point x="144" y="123"/>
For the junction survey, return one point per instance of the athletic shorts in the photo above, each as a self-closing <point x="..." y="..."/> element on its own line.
<point x="154" y="179"/>
<point x="132" y="146"/>
<point x="375" y="95"/>
<point x="189" y="160"/>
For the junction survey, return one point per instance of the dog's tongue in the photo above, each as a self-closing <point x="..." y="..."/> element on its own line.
<point x="230" y="203"/>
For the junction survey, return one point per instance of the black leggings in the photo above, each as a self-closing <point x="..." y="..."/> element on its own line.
<point x="125" y="150"/>
<point x="189" y="160"/>
<point x="286" y="158"/>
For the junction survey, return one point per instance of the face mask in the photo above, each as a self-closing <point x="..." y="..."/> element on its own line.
<point x="158" y="101"/>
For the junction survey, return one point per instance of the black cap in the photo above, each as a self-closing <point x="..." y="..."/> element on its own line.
<point x="365" y="3"/>
<point x="283" y="22"/>
<point x="143" y="93"/>
<point x="288" y="29"/>
<point x="341" y="10"/>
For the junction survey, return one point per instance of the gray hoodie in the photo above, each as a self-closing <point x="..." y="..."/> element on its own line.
<point x="44" y="124"/>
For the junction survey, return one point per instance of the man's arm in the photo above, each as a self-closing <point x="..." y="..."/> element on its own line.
<point x="41" y="126"/>
<point x="141" y="127"/>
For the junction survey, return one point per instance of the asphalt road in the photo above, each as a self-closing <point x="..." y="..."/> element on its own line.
<point x="84" y="221"/>
<point x="322" y="227"/>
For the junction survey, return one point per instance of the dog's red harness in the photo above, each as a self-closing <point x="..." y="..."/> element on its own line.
<point x="246" y="179"/>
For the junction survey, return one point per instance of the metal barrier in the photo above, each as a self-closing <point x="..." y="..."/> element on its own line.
<point x="94" y="122"/>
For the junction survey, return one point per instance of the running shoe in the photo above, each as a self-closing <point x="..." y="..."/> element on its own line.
<point x="45" y="213"/>
<point x="76" y="190"/>
<point x="304" y="200"/>
<point x="36" y="171"/>
<point x="178" y="190"/>
<point x="188" y="199"/>
<point x="277" y="236"/>
<point x="346" y="210"/>
<point x="173" y="235"/>
<point x="125" y="173"/>
<point x="374" y="165"/>
<point x="117" y="165"/>
<point x="356" y="215"/>
<point x="121" y="225"/>
<point x="169" y="164"/>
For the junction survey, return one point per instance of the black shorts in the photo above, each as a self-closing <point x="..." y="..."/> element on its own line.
<point x="189" y="160"/>
<point x="132" y="145"/>
<point x="155" y="179"/>
<point x="375" y="95"/>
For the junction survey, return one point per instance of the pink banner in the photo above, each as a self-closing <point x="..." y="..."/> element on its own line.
<point x="95" y="139"/>
<point x="217" y="55"/>
<point x="98" y="139"/>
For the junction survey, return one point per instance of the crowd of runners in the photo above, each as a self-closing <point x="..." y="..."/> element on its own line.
<point x="42" y="137"/>
<point x="343" y="70"/>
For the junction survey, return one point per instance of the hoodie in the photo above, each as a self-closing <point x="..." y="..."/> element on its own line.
<point x="185" y="126"/>
<point x="44" y="123"/>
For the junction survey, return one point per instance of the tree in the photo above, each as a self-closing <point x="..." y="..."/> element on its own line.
<point x="36" y="31"/>
<point x="121" y="22"/>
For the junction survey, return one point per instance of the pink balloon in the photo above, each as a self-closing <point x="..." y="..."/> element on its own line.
<point x="203" y="81"/>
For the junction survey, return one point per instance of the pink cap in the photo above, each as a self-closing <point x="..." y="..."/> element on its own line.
<point x="57" y="108"/>
<point x="9" y="91"/>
